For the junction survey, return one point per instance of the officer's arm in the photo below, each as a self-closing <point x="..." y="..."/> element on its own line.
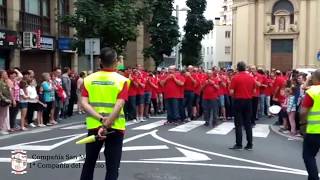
<point x="303" y="115"/>
<point x="116" y="111"/>
<point x="88" y="108"/>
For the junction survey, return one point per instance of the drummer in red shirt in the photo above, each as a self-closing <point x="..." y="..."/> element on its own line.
<point x="242" y="89"/>
<point x="172" y="84"/>
<point x="132" y="108"/>
<point x="189" y="91"/>
<point x="140" y="79"/>
<point x="278" y="94"/>
<point x="210" y="88"/>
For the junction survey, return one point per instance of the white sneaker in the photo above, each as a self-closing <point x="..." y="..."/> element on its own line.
<point x="135" y="121"/>
<point x="42" y="125"/>
<point x="32" y="125"/>
<point x="143" y="120"/>
<point x="4" y="132"/>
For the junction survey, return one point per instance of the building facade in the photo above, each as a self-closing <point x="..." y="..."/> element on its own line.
<point x="226" y="13"/>
<point x="216" y="46"/>
<point x="280" y="34"/>
<point x="31" y="36"/>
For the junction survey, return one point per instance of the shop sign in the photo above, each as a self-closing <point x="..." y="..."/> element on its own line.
<point x="8" y="39"/>
<point x="65" y="43"/>
<point x="46" y="43"/>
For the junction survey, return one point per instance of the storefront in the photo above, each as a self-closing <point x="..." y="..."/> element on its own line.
<point x="8" y="42"/>
<point x="65" y="52"/>
<point x="37" y="56"/>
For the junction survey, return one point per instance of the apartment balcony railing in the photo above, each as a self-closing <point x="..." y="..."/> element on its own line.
<point x="31" y="22"/>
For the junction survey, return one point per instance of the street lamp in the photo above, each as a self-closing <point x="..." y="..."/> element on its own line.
<point x="178" y="63"/>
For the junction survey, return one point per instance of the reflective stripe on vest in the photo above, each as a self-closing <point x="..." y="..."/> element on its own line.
<point x="313" y="118"/>
<point x="103" y="89"/>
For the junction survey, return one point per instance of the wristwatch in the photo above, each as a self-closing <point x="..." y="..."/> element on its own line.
<point x="101" y="119"/>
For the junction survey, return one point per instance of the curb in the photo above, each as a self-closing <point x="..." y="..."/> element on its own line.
<point x="275" y="129"/>
<point x="34" y="130"/>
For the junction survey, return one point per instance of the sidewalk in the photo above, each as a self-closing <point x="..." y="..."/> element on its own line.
<point x="75" y="119"/>
<point x="276" y="129"/>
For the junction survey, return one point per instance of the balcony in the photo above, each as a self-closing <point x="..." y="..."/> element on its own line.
<point x="3" y="17"/>
<point x="30" y="22"/>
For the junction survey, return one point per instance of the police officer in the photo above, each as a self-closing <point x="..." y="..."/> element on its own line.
<point x="310" y="119"/>
<point x="104" y="96"/>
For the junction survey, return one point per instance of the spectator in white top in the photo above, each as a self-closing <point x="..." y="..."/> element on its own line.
<point x="32" y="102"/>
<point x="23" y="103"/>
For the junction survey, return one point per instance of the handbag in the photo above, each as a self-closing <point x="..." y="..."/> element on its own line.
<point x="4" y="102"/>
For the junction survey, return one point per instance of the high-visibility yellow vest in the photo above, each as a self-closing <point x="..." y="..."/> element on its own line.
<point x="103" y="89"/>
<point x="313" y="118"/>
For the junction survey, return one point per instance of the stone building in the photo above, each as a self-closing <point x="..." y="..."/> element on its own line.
<point x="281" y="34"/>
<point x="31" y="37"/>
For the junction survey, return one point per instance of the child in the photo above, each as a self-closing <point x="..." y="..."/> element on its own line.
<point x="41" y="106"/>
<point x="23" y="103"/>
<point x="285" y="126"/>
<point x="291" y="110"/>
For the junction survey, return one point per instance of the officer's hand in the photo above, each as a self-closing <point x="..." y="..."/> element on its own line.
<point x="107" y="123"/>
<point x="101" y="133"/>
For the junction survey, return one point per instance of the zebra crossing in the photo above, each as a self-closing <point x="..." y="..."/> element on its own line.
<point x="259" y="131"/>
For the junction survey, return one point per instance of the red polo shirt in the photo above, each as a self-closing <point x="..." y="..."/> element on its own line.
<point x="132" y="88"/>
<point x="243" y="85"/>
<point x="171" y="89"/>
<point x="210" y="92"/>
<point x="140" y="79"/>
<point x="280" y="83"/>
<point x="122" y="95"/>
<point x="189" y="85"/>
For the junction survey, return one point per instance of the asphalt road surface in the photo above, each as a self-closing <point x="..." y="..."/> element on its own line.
<point x="153" y="151"/>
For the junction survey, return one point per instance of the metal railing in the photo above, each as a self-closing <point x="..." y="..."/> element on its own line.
<point x="31" y="22"/>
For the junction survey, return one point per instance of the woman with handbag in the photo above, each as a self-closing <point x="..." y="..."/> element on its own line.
<point x="5" y="101"/>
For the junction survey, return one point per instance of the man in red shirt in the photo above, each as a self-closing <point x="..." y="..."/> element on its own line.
<point x="210" y="88"/>
<point x="132" y="105"/>
<point x="172" y="85"/>
<point x="140" y="98"/>
<point x="189" y="91"/>
<point x="242" y="89"/>
<point x="278" y="97"/>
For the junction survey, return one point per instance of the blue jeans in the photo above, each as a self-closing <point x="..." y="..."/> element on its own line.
<point x="172" y="106"/>
<point x="210" y="109"/>
<point x="262" y="99"/>
<point x="188" y="102"/>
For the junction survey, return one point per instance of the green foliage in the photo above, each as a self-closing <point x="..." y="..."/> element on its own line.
<point x="113" y="21"/>
<point x="196" y="27"/>
<point x="163" y="29"/>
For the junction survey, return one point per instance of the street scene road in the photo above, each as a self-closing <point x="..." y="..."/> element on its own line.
<point x="153" y="151"/>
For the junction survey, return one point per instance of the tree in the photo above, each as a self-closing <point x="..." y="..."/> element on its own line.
<point x="163" y="30"/>
<point x="195" y="29"/>
<point x="113" y="21"/>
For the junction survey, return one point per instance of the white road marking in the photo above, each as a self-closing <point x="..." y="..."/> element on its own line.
<point x="80" y="126"/>
<point x="261" y="130"/>
<point x="222" y="129"/>
<point x="8" y="160"/>
<point x="131" y="138"/>
<point x="141" y="148"/>
<point x="27" y="146"/>
<point x="188" y="126"/>
<point x="150" y="125"/>
<point x="158" y="117"/>
<point x="154" y="134"/>
<point x="189" y="156"/>
<point x="304" y="173"/>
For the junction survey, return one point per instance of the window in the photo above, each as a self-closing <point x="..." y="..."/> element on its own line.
<point x="283" y="5"/>
<point x="63" y="7"/>
<point x="227" y="34"/>
<point x="211" y="50"/>
<point x="32" y="7"/>
<point x="208" y="51"/>
<point x="2" y="2"/>
<point x="227" y="50"/>
<point x="45" y="8"/>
